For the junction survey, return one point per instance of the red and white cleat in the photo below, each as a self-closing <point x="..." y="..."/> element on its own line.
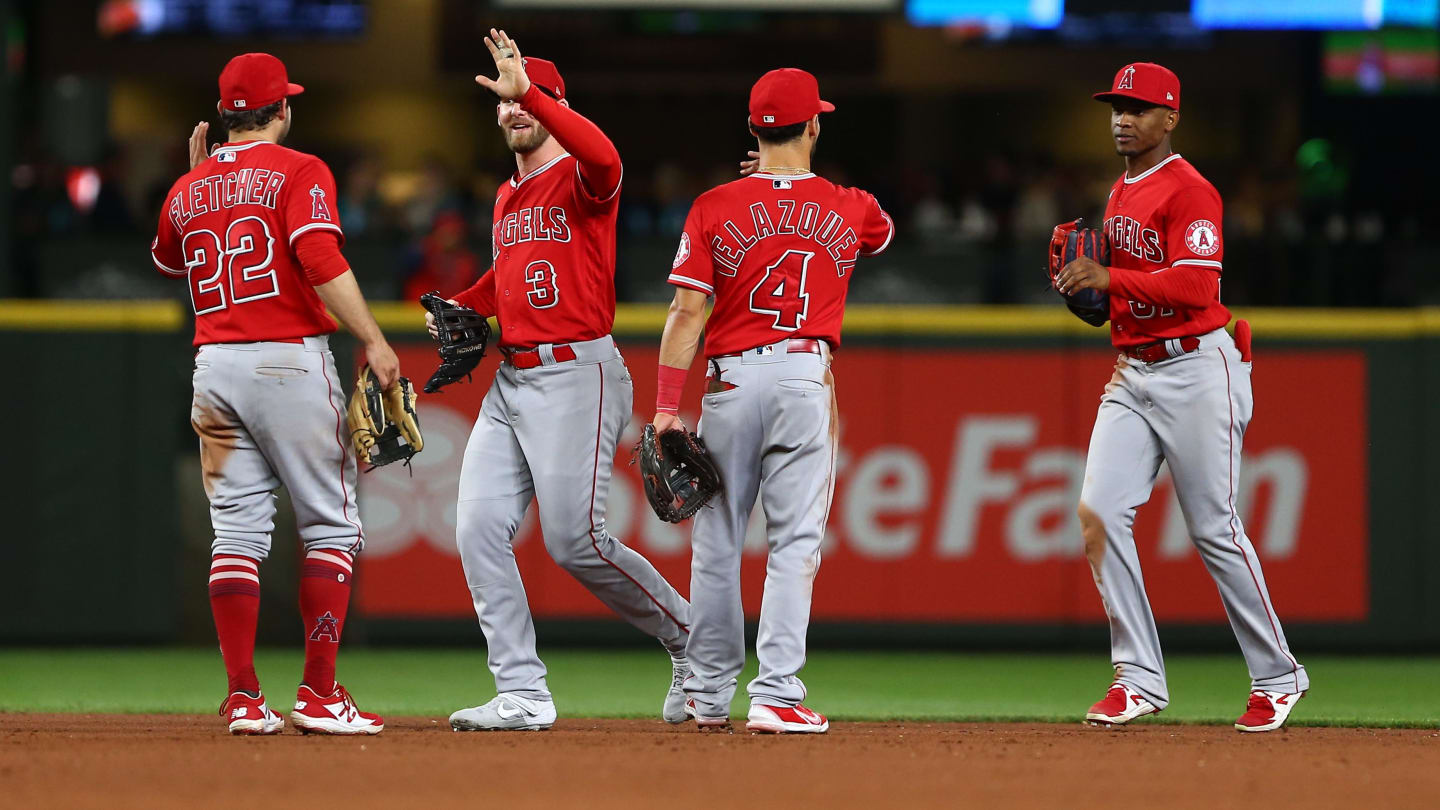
<point x="250" y="715"/>
<point x="1267" y="711"/>
<point x="704" y="722"/>
<point x="335" y="713"/>
<point x="1120" y="705"/>
<point x="785" y="720"/>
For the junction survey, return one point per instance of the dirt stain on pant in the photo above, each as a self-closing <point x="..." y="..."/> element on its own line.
<point x="218" y="437"/>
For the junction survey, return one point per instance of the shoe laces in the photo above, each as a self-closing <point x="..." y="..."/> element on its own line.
<point x="678" y="673"/>
<point x="345" y="699"/>
<point x="1259" y="702"/>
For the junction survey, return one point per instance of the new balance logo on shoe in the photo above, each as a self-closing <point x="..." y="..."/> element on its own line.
<point x="238" y="713"/>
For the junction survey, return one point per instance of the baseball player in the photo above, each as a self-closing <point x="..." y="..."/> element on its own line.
<point x="776" y="250"/>
<point x="253" y="230"/>
<point x="1180" y="394"/>
<point x="550" y="422"/>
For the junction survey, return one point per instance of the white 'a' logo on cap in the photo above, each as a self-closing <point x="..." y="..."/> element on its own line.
<point x="1127" y="80"/>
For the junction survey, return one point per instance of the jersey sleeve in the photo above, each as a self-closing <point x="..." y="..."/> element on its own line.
<point x="310" y="201"/>
<point x="878" y="229"/>
<point x="480" y="296"/>
<point x="1192" y="222"/>
<point x="693" y="267"/>
<point x="597" y="161"/>
<point x="165" y="248"/>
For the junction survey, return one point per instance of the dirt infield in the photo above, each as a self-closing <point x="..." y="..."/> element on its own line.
<point x="152" y="761"/>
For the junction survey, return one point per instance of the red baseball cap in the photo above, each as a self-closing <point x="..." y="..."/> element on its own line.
<point x="786" y="96"/>
<point x="1147" y="82"/>
<point x="253" y="80"/>
<point x="544" y="73"/>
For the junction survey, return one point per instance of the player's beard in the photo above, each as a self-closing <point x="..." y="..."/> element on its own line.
<point x="526" y="142"/>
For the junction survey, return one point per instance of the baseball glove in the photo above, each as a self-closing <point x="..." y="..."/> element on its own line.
<point x="463" y="334"/>
<point x="1067" y="243"/>
<point x="383" y="424"/>
<point x="679" y="474"/>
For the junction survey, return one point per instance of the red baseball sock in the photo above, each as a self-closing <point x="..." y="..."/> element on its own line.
<point x="235" y="603"/>
<point x="324" y="597"/>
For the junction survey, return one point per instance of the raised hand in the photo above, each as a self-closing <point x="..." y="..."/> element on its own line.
<point x="198" y="152"/>
<point x="512" y="82"/>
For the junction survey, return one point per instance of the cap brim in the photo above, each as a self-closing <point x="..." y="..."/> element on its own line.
<point x="826" y="106"/>
<point x="1110" y="96"/>
<point x="293" y="89"/>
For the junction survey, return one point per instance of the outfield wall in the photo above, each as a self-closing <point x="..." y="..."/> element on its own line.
<point x="962" y="452"/>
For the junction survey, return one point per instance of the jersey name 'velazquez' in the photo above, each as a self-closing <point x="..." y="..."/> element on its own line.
<point x="783" y="218"/>
<point x="220" y="191"/>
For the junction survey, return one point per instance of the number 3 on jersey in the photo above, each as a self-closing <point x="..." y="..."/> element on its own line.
<point x="781" y="291"/>
<point x="543" y="293"/>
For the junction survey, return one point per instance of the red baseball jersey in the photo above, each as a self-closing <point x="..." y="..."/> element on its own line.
<point x="229" y="227"/>
<point x="1166" y="217"/>
<point x="553" y="243"/>
<point x="777" y="253"/>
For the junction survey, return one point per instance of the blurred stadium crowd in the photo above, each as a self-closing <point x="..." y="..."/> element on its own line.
<point x="974" y="234"/>
<point x="979" y="144"/>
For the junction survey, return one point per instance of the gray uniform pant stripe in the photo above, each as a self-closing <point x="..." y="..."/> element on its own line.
<point x="1190" y="412"/>
<point x="550" y="433"/>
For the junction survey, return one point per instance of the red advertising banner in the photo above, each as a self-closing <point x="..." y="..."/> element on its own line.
<point x="958" y="476"/>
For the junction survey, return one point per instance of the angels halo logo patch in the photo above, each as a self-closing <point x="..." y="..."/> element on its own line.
<point x="683" y="252"/>
<point x="1202" y="237"/>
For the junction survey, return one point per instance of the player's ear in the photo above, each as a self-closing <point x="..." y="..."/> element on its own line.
<point x="1172" y="120"/>
<point x="813" y="128"/>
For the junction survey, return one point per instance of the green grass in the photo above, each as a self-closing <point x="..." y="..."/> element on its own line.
<point x="1352" y="691"/>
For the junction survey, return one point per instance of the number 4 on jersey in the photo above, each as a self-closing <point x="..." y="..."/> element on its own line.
<point x="781" y="291"/>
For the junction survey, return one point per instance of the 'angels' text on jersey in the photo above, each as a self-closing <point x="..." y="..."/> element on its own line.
<point x="538" y="223"/>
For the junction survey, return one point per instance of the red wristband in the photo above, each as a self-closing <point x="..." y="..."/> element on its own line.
<point x="670" y="381"/>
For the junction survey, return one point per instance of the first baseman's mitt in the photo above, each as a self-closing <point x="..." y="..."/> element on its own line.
<point x="679" y="474"/>
<point x="1067" y="243"/>
<point x="383" y="424"/>
<point x="463" y="334"/>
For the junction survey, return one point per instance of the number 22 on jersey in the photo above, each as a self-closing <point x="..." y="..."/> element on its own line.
<point x="781" y="291"/>
<point x="240" y="265"/>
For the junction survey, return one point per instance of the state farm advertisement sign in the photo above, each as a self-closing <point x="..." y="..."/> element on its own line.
<point x="958" y="475"/>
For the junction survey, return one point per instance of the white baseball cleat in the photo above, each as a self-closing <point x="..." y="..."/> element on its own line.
<point x="1120" y="705"/>
<point x="506" y="712"/>
<point x="785" y="720"/>
<point x="674" y="711"/>
<point x="1267" y="711"/>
